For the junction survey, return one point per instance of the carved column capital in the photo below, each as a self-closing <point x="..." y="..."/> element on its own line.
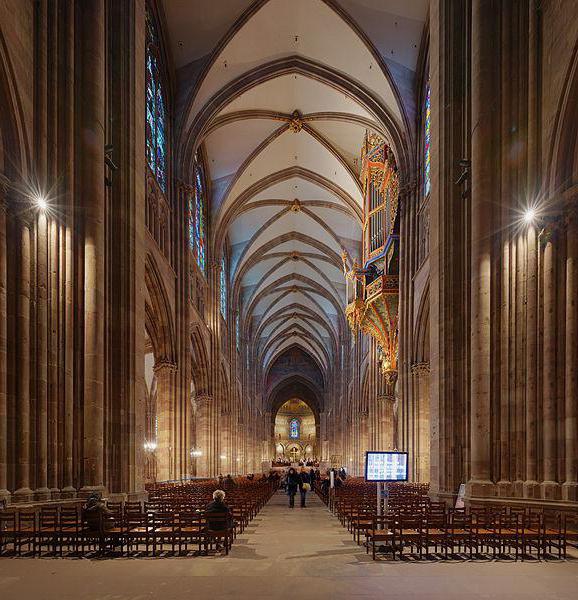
<point x="203" y="400"/>
<point x="386" y="398"/>
<point x="420" y="368"/>
<point x="164" y="366"/>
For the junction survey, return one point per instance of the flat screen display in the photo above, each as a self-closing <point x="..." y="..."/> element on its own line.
<point x="385" y="466"/>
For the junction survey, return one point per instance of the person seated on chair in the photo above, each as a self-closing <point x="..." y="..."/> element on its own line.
<point x="218" y="507"/>
<point x="230" y="482"/>
<point x="96" y="515"/>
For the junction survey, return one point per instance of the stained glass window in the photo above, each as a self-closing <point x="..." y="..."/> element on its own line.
<point x="238" y="331"/>
<point x="427" y="143"/>
<point x="156" y="118"/>
<point x="223" y="290"/>
<point x="197" y="228"/>
<point x="294" y="426"/>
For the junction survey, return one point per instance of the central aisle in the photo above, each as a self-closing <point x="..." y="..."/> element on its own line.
<point x="297" y="540"/>
<point x="284" y="555"/>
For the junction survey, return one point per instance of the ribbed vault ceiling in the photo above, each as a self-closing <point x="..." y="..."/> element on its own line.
<point x="286" y="196"/>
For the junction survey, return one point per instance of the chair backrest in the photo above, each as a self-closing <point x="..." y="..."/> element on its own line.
<point x="7" y="521"/>
<point x="217" y="521"/>
<point x="48" y="517"/>
<point x="27" y="521"/>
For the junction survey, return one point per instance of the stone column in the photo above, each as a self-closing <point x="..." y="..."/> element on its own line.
<point x="531" y="486"/>
<point x="42" y="491"/>
<point x="483" y="67"/>
<point x="4" y="493"/>
<point x="68" y="250"/>
<point x="92" y="44"/>
<point x="165" y="451"/>
<point x="550" y="487"/>
<point x="203" y="434"/>
<point x="226" y="462"/>
<point x="322" y="447"/>
<point x="386" y="405"/>
<point x="23" y="492"/>
<point x="363" y="441"/>
<point x="570" y="486"/>
<point x="420" y="373"/>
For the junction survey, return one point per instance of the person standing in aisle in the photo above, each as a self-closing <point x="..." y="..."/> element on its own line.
<point x="292" y="482"/>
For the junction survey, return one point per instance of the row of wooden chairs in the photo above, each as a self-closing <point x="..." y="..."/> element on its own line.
<point x="168" y="523"/>
<point x="51" y="533"/>
<point x="415" y="527"/>
<point x="468" y="535"/>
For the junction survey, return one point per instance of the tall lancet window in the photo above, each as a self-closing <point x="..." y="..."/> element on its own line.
<point x="427" y="143"/>
<point x="223" y="287"/>
<point x="197" y="208"/>
<point x="156" y="116"/>
<point x="238" y="331"/>
<point x="294" y="427"/>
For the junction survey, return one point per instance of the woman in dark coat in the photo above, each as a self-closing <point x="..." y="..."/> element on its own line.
<point x="293" y="481"/>
<point x="305" y="479"/>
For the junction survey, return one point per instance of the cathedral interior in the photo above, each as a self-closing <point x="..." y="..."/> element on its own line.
<point x="244" y="233"/>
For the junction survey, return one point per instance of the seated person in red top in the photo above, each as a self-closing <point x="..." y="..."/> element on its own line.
<point x="218" y="507"/>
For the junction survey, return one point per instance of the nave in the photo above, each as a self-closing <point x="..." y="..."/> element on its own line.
<point x="285" y="554"/>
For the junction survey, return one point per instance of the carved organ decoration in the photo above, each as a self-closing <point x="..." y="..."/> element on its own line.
<point x="374" y="308"/>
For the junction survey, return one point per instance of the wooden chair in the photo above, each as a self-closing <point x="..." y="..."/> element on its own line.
<point x="459" y="535"/>
<point x="189" y="530"/>
<point x="69" y="530"/>
<point x="407" y="533"/>
<point x="47" y="534"/>
<point x="555" y="537"/>
<point x="137" y="532"/>
<point x="379" y="534"/>
<point x="162" y="531"/>
<point x="218" y="528"/>
<point x="8" y="532"/>
<point x="26" y="533"/>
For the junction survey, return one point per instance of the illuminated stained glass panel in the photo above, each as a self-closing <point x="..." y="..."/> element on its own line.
<point x="223" y="288"/>
<point x="156" y="116"/>
<point x="199" y="237"/>
<point x="197" y="211"/>
<point x="427" y="143"/>
<point x="238" y="331"/>
<point x="294" y="426"/>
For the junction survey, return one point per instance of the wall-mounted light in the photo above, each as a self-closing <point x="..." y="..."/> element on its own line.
<point x="196" y="452"/>
<point x="150" y="446"/>
<point x="223" y="457"/>
<point x="41" y="203"/>
<point x="529" y="215"/>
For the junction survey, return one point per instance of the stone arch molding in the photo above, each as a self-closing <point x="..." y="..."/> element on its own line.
<point x="159" y="320"/>
<point x="287" y="202"/>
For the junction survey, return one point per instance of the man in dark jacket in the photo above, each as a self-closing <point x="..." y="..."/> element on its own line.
<point x="218" y="507"/>
<point x="293" y="481"/>
<point x="96" y="515"/>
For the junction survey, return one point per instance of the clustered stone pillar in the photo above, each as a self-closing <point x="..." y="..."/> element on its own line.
<point x="92" y="169"/>
<point x="3" y="350"/>
<point x="203" y="434"/>
<point x="549" y="409"/>
<point x="23" y="492"/>
<point x="480" y="483"/>
<point x="421" y="447"/>
<point x="165" y="450"/>
<point x="570" y="485"/>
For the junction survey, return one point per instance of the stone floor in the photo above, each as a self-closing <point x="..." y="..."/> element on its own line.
<point x="298" y="555"/>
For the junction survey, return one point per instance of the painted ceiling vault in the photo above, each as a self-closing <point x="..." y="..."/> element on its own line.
<point x="282" y="96"/>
